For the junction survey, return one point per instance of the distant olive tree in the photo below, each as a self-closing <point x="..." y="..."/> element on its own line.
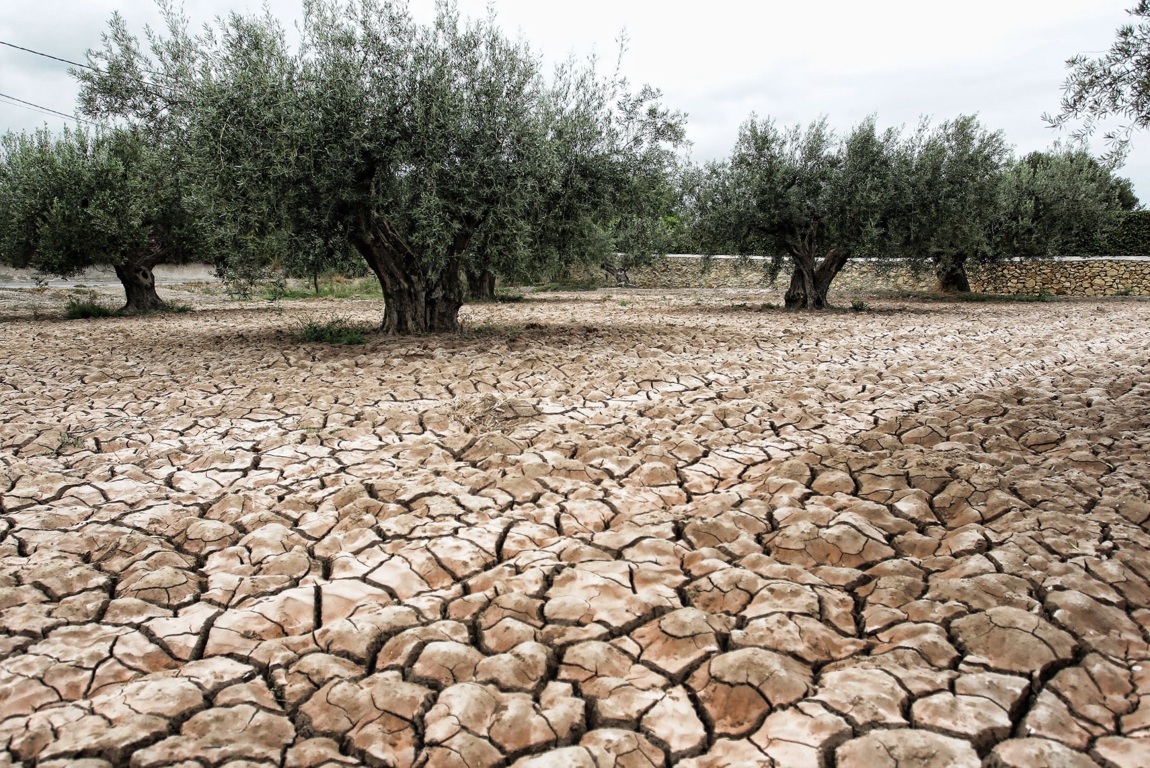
<point x="433" y="150"/>
<point x="1062" y="202"/>
<point x="77" y="200"/>
<point x="953" y="172"/>
<point x="806" y="198"/>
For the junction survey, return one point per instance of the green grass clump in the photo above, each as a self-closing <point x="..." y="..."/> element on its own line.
<point x="858" y="305"/>
<point x="337" y="330"/>
<point x="85" y="307"/>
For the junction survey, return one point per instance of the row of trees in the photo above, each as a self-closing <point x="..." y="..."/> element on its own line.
<point x="937" y="197"/>
<point x="440" y="155"/>
<point x="429" y="151"/>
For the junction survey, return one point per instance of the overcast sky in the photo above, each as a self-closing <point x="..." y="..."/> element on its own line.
<point x="718" y="61"/>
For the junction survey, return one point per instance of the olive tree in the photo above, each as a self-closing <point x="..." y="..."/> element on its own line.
<point x="953" y="172"/>
<point x="1062" y="202"/>
<point x="804" y="197"/>
<point x="77" y="200"/>
<point x="430" y="149"/>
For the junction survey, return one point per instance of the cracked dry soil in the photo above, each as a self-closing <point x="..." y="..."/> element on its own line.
<point x="583" y="534"/>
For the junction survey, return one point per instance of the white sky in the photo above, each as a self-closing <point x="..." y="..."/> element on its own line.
<point x="718" y="61"/>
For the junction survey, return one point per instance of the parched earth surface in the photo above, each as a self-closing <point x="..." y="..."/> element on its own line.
<point x="589" y="531"/>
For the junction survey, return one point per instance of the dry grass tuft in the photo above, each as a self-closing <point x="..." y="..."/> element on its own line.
<point x="487" y="412"/>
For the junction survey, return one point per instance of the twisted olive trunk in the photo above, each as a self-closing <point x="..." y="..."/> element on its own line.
<point x="811" y="278"/>
<point x="139" y="288"/>
<point x="415" y="300"/>
<point x="952" y="276"/>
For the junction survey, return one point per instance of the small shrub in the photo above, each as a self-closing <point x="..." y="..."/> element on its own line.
<point x="68" y="442"/>
<point x="858" y="305"/>
<point x="86" y="307"/>
<point x="179" y="308"/>
<point x="337" y="330"/>
<point x="508" y="298"/>
<point x="1040" y="296"/>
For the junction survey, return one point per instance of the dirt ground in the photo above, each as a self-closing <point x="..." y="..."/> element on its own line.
<point x="591" y="530"/>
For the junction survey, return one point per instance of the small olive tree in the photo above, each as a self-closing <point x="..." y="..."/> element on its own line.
<point x="952" y="201"/>
<point x="806" y="197"/>
<point x="76" y="200"/>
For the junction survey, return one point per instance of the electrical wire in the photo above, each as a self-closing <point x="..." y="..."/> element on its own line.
<point x="45" y="55"/>
<point x="41" y="108"/>
<point x="85" y="66"/>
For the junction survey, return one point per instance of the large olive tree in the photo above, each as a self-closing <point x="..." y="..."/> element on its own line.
<point x="430" y="149"/>
<point x="75" y="200"/>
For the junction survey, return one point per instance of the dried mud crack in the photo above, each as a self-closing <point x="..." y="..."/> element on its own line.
<point x="582" y="534"/>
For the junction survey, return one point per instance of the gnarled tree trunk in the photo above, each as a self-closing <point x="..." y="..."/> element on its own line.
<point x="415" y="301"/>
<point x="811" y="278"/>
<point x="801" y="292"/>
<point x="139" y="288"/>
<point x="952" y="276"/>
<point x="622" y="279"/>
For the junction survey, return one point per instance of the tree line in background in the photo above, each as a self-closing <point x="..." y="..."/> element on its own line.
<point x="438" y="156"/>
<point x="937" y="197"/>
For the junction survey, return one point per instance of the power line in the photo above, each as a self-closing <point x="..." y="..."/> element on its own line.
<point x="45" y="55"/>
<point x="41" y="108"/>
<point x="85" y="66"/>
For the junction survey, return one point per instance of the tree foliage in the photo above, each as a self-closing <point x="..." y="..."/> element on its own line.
<point x="1062" y="202"/>
<point x="1115" y="84"/>
<point x="79" y="200"/>
<point x="428" y="148"/>
<point x="1131" y="237"/>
